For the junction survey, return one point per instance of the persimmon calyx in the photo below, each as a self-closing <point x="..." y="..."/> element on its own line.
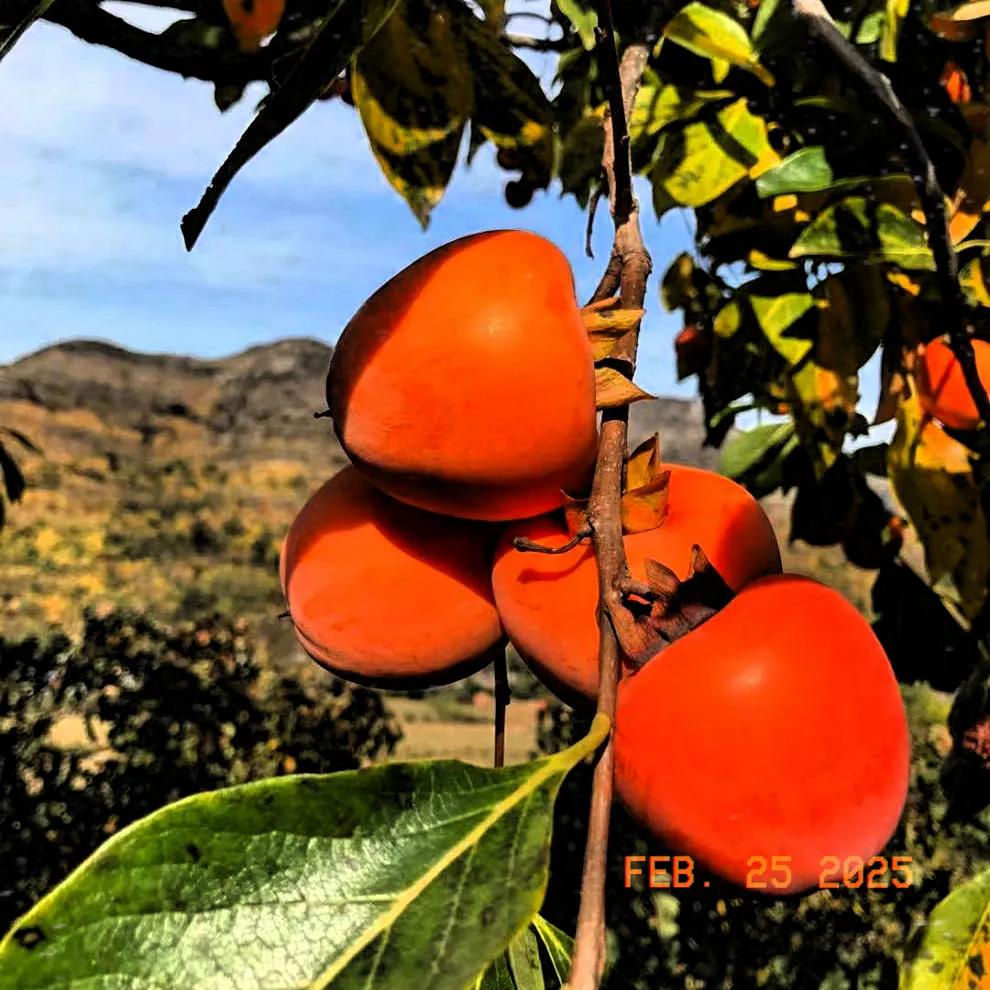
<point x="650" y="615"/>
<point x="645" y="488"/>
<point x="607" y="323"/>
<point x="614" y="389"/>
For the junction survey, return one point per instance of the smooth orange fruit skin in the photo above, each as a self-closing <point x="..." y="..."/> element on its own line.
<point x="253" y="20"/>
<point x="466" y="386"/>
<point x="548" y="603"/>
<point x="384" y="594"/>
<point x="942" y="387"/>
<point x="774" y="729"/>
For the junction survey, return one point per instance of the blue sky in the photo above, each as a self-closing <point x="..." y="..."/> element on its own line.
<point x="101" y="156"/>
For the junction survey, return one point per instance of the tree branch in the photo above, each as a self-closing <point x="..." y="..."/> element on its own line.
<point x="535" y="44"/>
<point x="627" y="270"/>
<point x="877" y="85"/>
<point x="502" y="698"/>
<point x="91" y="23"/>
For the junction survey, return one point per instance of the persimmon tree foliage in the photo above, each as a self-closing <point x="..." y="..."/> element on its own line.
<point x="837" y="164"/>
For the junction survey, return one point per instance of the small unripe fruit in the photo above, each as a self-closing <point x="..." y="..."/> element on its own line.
<point x="776" y="730"/>
<point x="942" y="388"/>
<point x="547" y="603"/>
<point x="518" y="193"/>
<point x="385" y="594"/>
<point x="466" y="384"/>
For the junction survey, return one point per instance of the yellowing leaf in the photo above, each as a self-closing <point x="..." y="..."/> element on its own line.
<point x="612" y="321"/>
<point x="763" y="262"/>
<point x="613" y="389"/>
<point x="699" y="162"/>
<point x="972" y="197"/>
<point x="777" y="315"/>
<point x="645" y="508"/>
<point x="954" y="951"/>
<point x="728" y="319"/>
<point x="974" y="283"/>
<point x="643" y="463"/>
<point x="931" y="476"/>
<point x="712" y="34"/>
<point x="894" y="14"/>
<point x="412" y="88"/>
<point x="657" y="106"/>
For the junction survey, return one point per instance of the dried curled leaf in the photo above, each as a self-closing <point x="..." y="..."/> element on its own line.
<point x="612" y="321"/>
<point x="643" y="464"/>
<point x="613" y="389"/>
<point x="645" y="508"/>
<point x="575" y="514"/>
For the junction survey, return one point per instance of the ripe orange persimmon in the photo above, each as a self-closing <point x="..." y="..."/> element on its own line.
<point x="942" y="388"/>
<point x="465" y="385"/>
<point x="385" y="594"/>
<point x="253" y="20"/>
<point x="547" y="603"/>
<point x="955" y="83"/>
<point x="770" y="743"/>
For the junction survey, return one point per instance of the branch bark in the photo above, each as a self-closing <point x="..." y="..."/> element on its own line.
<point x="627" y="271"/>
<point x="877" y="85"/>
<point x="90" y="22"/>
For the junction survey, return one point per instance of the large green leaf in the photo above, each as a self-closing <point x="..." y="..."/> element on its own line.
<point x="17" y="19"/>
<point x="712" y="34"/>
<point x="857" y="227"/>
<point x="349" y="25"/>
<point x="954" y="951"/>
<point x="807" y="170"/>
<point x="412" y="88"/>
<point x="350" y="880"/>
<point x="745" y="452"/>
<point x="699" y="162"/>
<point x="559" y="947"/>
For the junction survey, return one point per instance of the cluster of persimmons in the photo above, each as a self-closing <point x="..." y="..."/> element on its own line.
<point x="464" y="393"/>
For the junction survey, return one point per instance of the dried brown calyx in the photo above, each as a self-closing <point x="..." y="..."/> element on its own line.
<point x="661" y="610"/>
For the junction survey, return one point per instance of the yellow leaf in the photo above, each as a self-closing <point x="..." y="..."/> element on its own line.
<point x="615" y="322"/>
<point x="645" y="508"/>
<point x="972" y="197"/>
<point x="904" y="281"/>
<point x="643" y="463"/>
<point x="933" y="479"/>
<point x="613" y="389"/>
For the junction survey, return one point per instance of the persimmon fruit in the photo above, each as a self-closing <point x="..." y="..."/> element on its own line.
<point x="466" y="386"/>
<point x="942" y="389"/>
<point x="775" y="729"/>
<point x="384" y="594"/>
<point x="548" y="603"/>
<point x="251" y="21"/>
<point x="955" y="83"/>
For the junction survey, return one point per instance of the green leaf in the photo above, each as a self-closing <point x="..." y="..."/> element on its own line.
<point x="776" y="315"/>
<point x="349" y="880"/>
<point x="954" y="952"/>
<point x="498" y="976"/>
<point x="745" y="452"/>
<point x="524" y="961"/>
<point x="699" y="162"/>
<point x="348" y="27"/>
<point x="560" y="947"/>
<point x="712" y="34"/>
<point x="894" y="14"/>
<point x="584" y="19"/>
<point x="580" y="163"/>
<point x="17" y="21"/>
<point x="510" y="107"/>
<point x="412" y="88"/>
<point x="806" y="170"/>
<point x="857" y="227"/>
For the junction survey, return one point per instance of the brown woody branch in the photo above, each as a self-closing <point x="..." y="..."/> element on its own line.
<point x="89" y="22"/>
<point x="878" y="86"/>
<point x="627" y="271"/>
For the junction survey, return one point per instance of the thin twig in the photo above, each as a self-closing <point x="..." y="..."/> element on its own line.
<point x="527" y="545"/>
<point x="878" y="86"/>
<point x="627" y="270"/>
<point x="502" y="698"/>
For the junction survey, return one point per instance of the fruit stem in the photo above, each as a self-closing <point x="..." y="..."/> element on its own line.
<point x="502" y="699"/>
<point x="932" y="198"/>
<point x="627" y="271"/>
<point x="527" y="545"/>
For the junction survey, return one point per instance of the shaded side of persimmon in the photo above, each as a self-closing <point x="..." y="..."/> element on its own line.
<point x="465" y="385"/>
<point x="548" y="603"/>
<point x="942" y="388"/>
<point x="382" y="593"/>
<point x="774" y="729"/>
